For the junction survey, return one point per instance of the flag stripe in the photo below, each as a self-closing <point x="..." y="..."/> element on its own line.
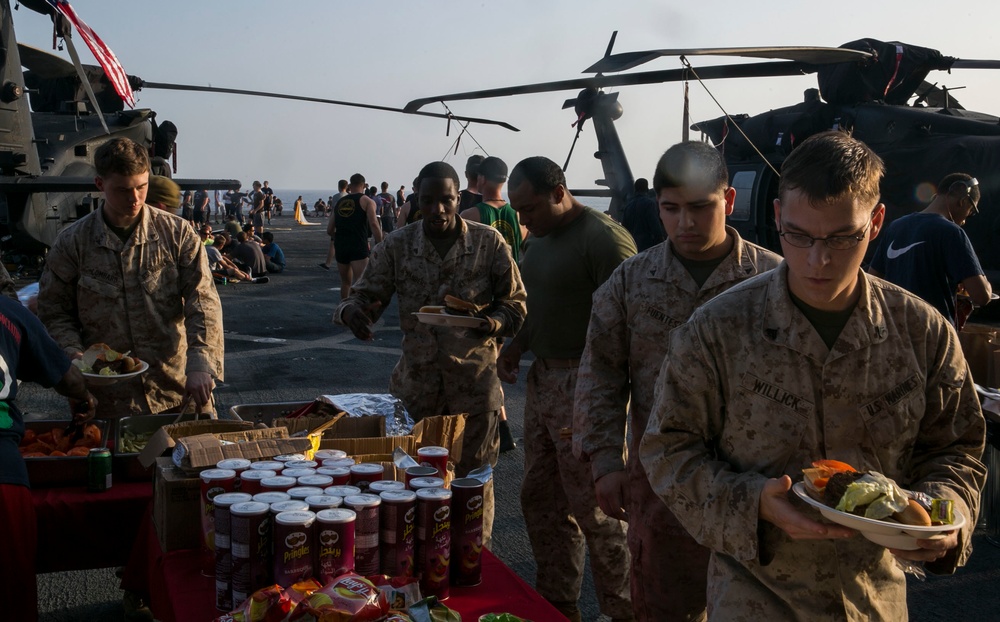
<point x="105" y="57"/>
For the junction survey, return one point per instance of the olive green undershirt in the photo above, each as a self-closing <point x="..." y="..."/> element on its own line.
<point x="829" y="324"/>
<point x="122" y="233"/>
<point x="700" y="270"/>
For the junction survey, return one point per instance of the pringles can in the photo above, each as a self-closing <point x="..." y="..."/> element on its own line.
<point x="271" y="497"/>
<point x="425" y="482"/>
<point x="383" y="485"/>
<point x="341" y="475"/>
<point x="466" y="531"/>
<point x="414" y="472"/>
<point x="293" y="547"/>
<point x="335" y="551"/>
<point x="436" y="457"/>
<point x="329" y="454"/>
<point x="397" y="521"/>
<point x="366" y="473"/>
<point x="366" y="532"/>
<point x="250" y="480"/>
<point x="223" y="546"/>
<point x="213" y="482"/>
<point x="251" y="541"/>
<point x="434" y="541"/>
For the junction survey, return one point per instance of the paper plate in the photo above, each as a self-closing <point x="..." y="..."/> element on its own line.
<point x="99" y="380"/>
<point x="888" y="533"/>
<point x="446" y="319"/>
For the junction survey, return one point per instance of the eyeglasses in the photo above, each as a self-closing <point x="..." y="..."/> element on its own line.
<point x="835" y="242"/>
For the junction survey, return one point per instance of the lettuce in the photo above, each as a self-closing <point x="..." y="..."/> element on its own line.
<point x="882" y="496"/>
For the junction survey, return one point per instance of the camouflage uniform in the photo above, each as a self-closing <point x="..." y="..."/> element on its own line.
<point x="751" y="392"/>
<point x="152" y="295"/>
<point x="448" y="370"/>
<point x="644" y="299"/>
<point x="560" y="507"/>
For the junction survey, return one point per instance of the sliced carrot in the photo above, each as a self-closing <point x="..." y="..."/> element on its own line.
<point x="834" y="465"/>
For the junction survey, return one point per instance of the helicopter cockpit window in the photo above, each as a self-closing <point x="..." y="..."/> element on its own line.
<point x="743" y="182"/>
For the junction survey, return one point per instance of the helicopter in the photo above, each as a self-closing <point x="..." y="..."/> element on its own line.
<point x="46" y="154"/>
<point x="876" y="90"/>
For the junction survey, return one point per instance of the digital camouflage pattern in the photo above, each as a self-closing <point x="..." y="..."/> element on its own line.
<point x="751" y="392"/>
<point x="649" y="295"/>
<point x="560" y="508"/>
<point x="444" y="369"/>
<point x="152" y="295"/>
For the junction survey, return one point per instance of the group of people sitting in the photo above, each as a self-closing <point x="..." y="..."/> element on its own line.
<point x="245" y="257"/>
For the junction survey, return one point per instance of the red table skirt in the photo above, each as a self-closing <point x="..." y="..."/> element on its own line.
<point x="80" y="530"/>
<point x="178" y="592"/>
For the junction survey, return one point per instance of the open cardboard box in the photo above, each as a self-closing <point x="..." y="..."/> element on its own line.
<point x="444" y="431"/>
<point x="166" y="437"/>
<point x="205" y="450"/>
<point x="176" y="506"/>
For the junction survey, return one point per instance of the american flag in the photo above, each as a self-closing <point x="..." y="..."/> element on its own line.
<point x="107" y="59"/>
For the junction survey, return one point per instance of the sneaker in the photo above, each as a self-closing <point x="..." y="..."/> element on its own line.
<point x="323" y="265"/>
<point x="260" y="279"/>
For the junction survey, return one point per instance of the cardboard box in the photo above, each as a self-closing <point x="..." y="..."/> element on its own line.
<point x="176" y="509"/>
<point x="205" y="450"/>
<point x="446" y="431"/>
<point x="166" y="437"/>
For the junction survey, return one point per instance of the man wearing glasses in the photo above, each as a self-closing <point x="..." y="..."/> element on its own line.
<point x="813" y="360"/>
<point x="929" y="254"/>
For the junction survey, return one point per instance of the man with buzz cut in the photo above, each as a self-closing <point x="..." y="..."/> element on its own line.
<point x="813" y="360"/>
<point x="929" y="253"/>
<point x="572" y="251"/>
<point x="645" y="298"/>
<point x="353" y="221"/>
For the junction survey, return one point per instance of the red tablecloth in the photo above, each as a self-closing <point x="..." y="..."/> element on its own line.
<point x="178" y="592"/>
<point x="79" y="530"/>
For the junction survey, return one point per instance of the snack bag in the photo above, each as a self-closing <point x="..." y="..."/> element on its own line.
<point x="268" y="604"/>
<point x="349" y="598"/>
<point x="398" y="616"/>
<point x="430" y="610"/>
<point x="400" y="592"/>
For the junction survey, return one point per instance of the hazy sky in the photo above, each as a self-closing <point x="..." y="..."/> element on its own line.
<point x="388" y="52"/>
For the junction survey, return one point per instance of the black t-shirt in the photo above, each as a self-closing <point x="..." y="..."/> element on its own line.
<point x="26" y="353"/>
<point x="469" y="199"/>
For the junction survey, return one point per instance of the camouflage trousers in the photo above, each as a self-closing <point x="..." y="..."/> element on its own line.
<point x="481" y="444"/>
<point x="559" y="505"/>
<point x="669" y="569"/>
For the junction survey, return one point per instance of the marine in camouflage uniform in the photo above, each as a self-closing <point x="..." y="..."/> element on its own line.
<point x="152" y="295"/>
<point x="447" y="370"/>
<point x="649" y="295"/>
<point x="751" y="392"/>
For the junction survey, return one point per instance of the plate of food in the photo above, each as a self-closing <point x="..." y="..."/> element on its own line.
<point x="102" y="365"/>
<point x="454" y="312"/>
<point x="874" y="505"/>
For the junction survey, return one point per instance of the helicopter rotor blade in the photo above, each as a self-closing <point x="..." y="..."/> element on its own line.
<point x="748" y="70"/>
<point x="975" y="64"/>
<point x="320" y="100"/>
<point x="45" y="64"/>
<point x="813" y="55"/>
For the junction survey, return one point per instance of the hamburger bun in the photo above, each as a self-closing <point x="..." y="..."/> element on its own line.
<point x="431" y="309"/>
<point x="457" y="306"/>
<point x="913" y="514"/>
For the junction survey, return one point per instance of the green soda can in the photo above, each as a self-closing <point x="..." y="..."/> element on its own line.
<point x="99" y="469"/>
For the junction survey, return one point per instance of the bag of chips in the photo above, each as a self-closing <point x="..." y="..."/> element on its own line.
<point x="268" y="604"/>
<point x="348" y="598"/>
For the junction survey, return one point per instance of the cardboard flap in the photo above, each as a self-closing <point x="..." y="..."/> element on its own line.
<point x="444" y="431"/>
<point x="166" y="436"/>
<point x="205" y="450"/>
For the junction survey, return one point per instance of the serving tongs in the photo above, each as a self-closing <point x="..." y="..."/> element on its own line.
<point x="78" y="421"/>
<point x="197" y="411"/>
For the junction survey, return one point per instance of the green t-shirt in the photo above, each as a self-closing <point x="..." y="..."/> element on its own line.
<point x="829" y="324"/>
<point x="560" y="273"/>
<point x="700" y="270"/>
<point x="504" y="220"/>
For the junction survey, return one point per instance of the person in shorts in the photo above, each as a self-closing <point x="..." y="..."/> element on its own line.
<point x="355" y="219"/>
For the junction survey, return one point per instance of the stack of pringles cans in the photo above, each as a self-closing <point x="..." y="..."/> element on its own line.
<point x="288" y="519"/>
